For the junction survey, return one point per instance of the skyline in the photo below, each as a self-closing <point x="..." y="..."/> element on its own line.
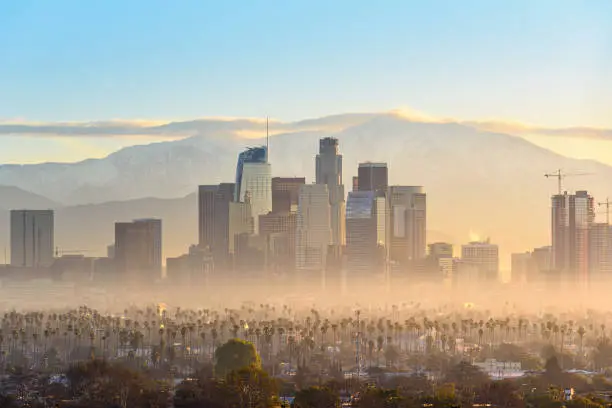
<point x="542" y="63"/>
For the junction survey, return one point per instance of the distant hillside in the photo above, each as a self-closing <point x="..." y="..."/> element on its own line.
<point x="478" y="182"/>
<point x="12" y="198"/>
<point x="91" y="227"/>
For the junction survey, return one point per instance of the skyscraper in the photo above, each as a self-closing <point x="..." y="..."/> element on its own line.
<point x="314" y="232"/>
<point x="329" y="172"/>
<point x="206" y="215"/>
<point x="254" y="177"/>
<point x="572" y="216"/>
<point x="600" y="250"/>
<point x="408" y="221"/>
<point x="32" y="238"/>
<point x="221" y="240"/>
<point x="373" y="177"/>
<point x="366" y="221"/>
<point x="285" y="193"/>
<point x="138" y="248"/>
<point x="483" y="258"/>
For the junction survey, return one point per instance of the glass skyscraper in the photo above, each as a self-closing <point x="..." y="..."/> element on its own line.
<point x="254" y="182"/>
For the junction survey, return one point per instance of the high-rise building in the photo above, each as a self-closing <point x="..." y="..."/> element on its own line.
<point x="285" y="193"/>
<point x="439" y="250"/>
<point x="366" y="235"/>
<point x="355" y="183"/>
<point x="542" y="259"/>
<point x="572" y="216"/>
<point x="32" y="235"/>
<point x="222" y="238"/>
<point x="254" y="178"/>
<point x="329" y="172"/>
<point x="278" y="231"/>
<point x="206" y="215"/>
<point x="193" y="268"/>
<point x="240" y="221"/>
<point x="483" y="257"/>
<point x="138" y="248"/>
<point x="373" y="177"/>
<point x="600" y="250"/>
<point x="408" y="222"/>
<point x="314" y="233"/>
<point x="522" y="267"/>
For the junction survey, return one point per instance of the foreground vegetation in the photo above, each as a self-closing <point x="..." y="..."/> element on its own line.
<point x="263" y="356"/>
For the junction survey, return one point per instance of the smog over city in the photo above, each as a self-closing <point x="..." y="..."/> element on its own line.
<point x="228" y="204"/>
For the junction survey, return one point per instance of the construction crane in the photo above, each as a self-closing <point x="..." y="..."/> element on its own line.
<point x="607" y="205"/>
<point x="560" y="175"/>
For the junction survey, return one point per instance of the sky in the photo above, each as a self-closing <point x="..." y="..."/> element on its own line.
<point x="544" y="62"/>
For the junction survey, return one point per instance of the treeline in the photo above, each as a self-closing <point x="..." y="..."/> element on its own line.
<point x="237" y="379"/>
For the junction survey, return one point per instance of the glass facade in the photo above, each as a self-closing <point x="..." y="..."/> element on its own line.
<point x="251" y="155"/>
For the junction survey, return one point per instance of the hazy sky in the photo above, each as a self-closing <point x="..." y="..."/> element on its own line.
<point x="540" y="61"/>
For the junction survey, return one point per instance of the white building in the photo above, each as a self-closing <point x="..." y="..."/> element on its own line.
<point x="314" y="233"/>
<point x="32" y="238"/>
<point x="483" y="257"/>
<point x="499" y="370"/>
<point x="257" y="183"/>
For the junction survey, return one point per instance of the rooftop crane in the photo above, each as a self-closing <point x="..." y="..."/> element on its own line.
<point x="607" y="205"/>
<point x="560" y="175"/>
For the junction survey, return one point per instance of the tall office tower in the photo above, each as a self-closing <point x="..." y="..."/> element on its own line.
<point x="373" y="177"/>
<point x="483" y="257"/>
<point x="314" y="230"/>
<point x="600" y="250"/>
<point x="240" y="221"/>
<point x="138" y="248"/>
<point x="221" y="240"/>
<point x="408" y="220"/>
<point x="439" y="250"/>
<point x="355" y="183"/>
<point x="572" y="216"/>
<point x="522" y="267"/>
<point x="285" y="193"/>
<point x="206" y="215"/>
<point x="32" y="234"/>
<point x="366" y="220"/>
<point x="542" y="260"/>
<point x="254" y="177"/>
<point x="278" y="232"/>
<point x="329" y="172"/>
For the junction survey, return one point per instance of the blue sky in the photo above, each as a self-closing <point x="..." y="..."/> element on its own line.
<point x="539" y="61"/>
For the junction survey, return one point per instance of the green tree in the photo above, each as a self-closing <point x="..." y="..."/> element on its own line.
<point x="251" y="387"/>
<point x="379" y="398"/>
<point x="316" y="397"/>
<point x="234" y="355"/>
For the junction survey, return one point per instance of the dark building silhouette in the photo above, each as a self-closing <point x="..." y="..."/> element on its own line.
<point x="206" y="215"/>
<point x="373" y="177"/>
<point x="138" y="249"/>
<point x="366" y="216"/>
<point x="32" y="238"/>
<point x="285" y="193"/>
<point x="193" y="268"/>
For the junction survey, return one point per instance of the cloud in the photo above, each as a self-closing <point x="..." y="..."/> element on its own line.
<point x="523" y="129"/>
<point x="255" y="127"/>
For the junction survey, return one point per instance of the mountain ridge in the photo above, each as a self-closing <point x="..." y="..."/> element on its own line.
<point x="489" y="183"/>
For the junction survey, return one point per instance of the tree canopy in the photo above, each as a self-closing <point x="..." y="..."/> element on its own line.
<point x="235" y="355"/>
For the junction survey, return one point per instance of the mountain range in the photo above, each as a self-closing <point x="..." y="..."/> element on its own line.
<point x="479" y="183"/>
